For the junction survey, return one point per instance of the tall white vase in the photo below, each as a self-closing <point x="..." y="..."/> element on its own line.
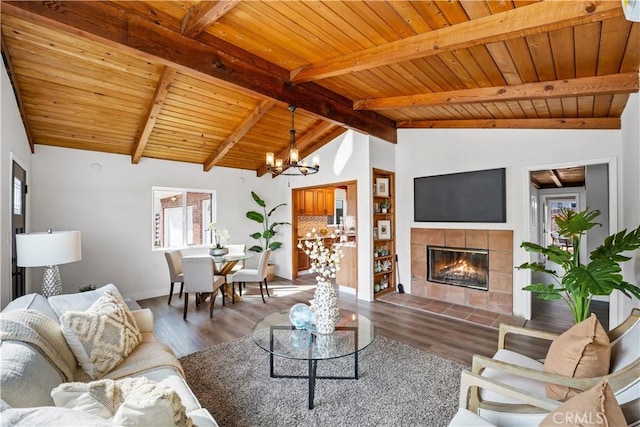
<point x="325" y="305"/>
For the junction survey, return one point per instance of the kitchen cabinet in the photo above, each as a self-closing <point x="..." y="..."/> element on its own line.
<point x="325" y="201"/>
<point x="304" y="263"/>
<point x="316" y="201"/>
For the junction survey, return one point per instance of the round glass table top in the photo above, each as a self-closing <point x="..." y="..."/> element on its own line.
<point x="277" y="335"/>
<point x="233" y="257"/>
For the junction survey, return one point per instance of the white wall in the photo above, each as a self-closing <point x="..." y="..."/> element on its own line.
<point x="13" y="146"/>
<point x="438" y="151"/>
<point x="111" y="206"/>
<point x="347" y="159"/>
<point x="597" y="197"/>
<point x="630" y="210"/>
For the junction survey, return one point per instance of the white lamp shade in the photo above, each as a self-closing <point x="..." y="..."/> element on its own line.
<point x="55" y="248"/>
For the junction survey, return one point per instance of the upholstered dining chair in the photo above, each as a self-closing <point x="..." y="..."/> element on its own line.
<point x="175" y="271"/>
<point x="200" y="279"/>
<point x="237" y="250"/>
<point x="258" y="275"/>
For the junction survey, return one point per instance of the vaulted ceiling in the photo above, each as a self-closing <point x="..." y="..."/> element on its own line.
<point x="209" y="82"/>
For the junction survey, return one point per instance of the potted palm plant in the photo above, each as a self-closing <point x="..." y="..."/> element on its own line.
<point x="265" y="237"/>
<point x="578" y="283"/>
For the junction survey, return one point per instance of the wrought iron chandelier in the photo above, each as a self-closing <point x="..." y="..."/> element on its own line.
<point x="293" y="166"/>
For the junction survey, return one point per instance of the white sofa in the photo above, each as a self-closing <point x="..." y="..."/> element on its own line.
<point x="27" y="376"/>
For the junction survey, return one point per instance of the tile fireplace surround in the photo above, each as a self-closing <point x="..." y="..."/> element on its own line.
<point x="499" y="243"/>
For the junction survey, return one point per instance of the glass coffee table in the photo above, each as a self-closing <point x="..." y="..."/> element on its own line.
<point x="276" y="335"/>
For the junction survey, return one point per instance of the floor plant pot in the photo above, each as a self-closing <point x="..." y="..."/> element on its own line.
<point x="271" y="272"/>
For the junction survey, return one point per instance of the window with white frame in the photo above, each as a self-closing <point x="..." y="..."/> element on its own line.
<point x="181" y="217"/>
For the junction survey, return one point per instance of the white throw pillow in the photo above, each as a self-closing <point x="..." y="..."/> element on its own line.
<point x="102" y="336"/>
<point x="126" y="402"/>
<point x="50" y="416"/>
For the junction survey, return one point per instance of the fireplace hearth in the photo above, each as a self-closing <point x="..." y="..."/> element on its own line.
<point x="458" y="266"/>
<point x="493" y="294"/>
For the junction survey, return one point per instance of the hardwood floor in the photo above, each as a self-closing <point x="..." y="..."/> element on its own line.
<point x="443" y="336"/>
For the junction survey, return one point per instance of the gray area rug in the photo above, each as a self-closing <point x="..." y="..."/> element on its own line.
<point x="398" y="386"/>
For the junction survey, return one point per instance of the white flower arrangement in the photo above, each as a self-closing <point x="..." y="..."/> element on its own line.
<point x="324" y="260"/>
<point x="219" y="235"/>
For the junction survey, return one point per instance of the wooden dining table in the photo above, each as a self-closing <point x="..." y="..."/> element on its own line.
<point x="223" y="264"/>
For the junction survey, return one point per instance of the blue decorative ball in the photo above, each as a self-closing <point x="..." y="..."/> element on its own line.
<point x="300" y="315"/>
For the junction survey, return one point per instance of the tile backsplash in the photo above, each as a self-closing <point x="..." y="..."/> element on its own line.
<point x="306" y="223"/>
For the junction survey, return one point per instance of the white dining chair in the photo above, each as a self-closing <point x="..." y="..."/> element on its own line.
<point x="237" y="250"/>
<point x="200" y="279"/>
<point x="175" y="271"/>
<point x="258" y="275"/>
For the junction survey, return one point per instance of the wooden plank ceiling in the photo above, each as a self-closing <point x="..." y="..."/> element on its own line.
<point x="209" y="82"/>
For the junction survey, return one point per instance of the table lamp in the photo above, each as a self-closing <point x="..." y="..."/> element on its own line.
<point x="48" y="249"/>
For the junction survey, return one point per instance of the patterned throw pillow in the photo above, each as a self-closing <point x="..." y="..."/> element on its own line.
<point x="127" y="401"/>
<point x="102" y="336"/>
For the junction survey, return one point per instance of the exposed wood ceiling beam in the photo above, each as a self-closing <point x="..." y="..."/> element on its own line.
<point x="560" y="123"/>
<point x="514" y="23"/>
<point x="555" y="178"/>
<point x="585" y="86"/>
<point x="160" y="95"/>
<point x="103" y="23"/>
<point x="303" y="144"/>
<point x="263" y="108"/>
<point x="16" y="90"/>
<point x="203" y="14"/>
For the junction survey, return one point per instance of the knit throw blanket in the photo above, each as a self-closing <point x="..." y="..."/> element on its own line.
<point x="43" y="334"/>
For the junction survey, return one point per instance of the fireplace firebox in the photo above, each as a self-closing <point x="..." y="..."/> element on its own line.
<point x="458" y="266"/>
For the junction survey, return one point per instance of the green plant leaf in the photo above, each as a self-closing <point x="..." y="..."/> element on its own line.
<point x="255" y="216"/>
<point x="277" y="224"/>
<point x="537" y="266"/>
<point x="272" y="210"/>
<point x="545" y="291"/>
<point x="552" y="252"/>
<point x="256" y="235"/>
<point x="626" y="288"/>
<point x="258" y="200"/>
<point x="275" y="245"/>
<point x="599" y="277"/>
<point x="617" y="243"/>
<point x="268" y="234"/>
<point x="572" y="224"/>
<point x="256" y="248"/>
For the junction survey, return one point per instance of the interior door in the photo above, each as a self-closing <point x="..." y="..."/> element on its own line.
<point x="18" y="221"/>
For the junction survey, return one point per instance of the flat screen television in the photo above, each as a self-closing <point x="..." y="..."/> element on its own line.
<point x="477" y="196"/>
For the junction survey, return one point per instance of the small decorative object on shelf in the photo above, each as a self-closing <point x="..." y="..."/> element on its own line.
<point x="385" y="206"/>
<point x="325" y="261"/>
<point x="219" y="237"/>
<point x="300" y="315"/>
